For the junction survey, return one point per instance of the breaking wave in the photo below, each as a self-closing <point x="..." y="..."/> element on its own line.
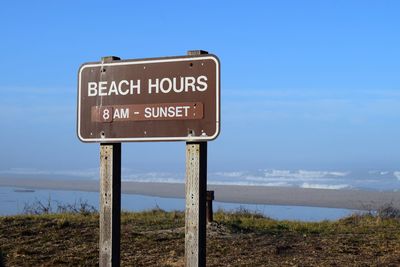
<point x="325" y="186"/>
<point x="322" y="179"/>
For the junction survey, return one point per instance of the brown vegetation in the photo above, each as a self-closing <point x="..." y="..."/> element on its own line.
<point x="156" y="238"/>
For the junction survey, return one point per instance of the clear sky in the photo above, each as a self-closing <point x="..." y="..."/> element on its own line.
<point x="305" y="84"/>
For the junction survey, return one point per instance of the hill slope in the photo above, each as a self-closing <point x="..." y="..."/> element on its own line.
<point x="156" y="238"/>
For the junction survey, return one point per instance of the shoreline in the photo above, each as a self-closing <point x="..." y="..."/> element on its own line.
<point x="243" y="194"/>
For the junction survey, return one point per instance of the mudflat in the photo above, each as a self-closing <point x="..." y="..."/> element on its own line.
<point x="346" y="199"/>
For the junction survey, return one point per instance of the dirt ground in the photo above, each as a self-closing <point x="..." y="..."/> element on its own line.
<point x="157" y="239"/>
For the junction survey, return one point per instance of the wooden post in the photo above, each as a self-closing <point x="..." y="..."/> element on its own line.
<point x="195" y="191"/>
<point x="110" y="199"/>
<point x="209" y="206"/>
<point x="110" y="204"/>
<point x="195" y="212"/>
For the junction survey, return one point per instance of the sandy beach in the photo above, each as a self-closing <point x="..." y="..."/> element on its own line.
<point x="346" y="199"/>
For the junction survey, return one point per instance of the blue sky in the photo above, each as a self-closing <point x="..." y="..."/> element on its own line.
<point x="305" y="84"/>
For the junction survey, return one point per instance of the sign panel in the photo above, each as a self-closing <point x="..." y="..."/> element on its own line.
<point x="158" y="99"/>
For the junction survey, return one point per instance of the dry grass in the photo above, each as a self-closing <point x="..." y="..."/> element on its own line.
<point x="156" y="238"/>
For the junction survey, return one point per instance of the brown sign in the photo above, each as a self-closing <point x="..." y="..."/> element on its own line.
<point x="158" y="99"/>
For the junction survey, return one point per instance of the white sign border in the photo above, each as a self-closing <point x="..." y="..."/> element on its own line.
<point x="153" y="139"/>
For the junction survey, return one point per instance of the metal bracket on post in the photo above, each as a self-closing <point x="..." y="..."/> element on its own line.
<point x="110" y="200"/>
<point x="209" y="206"/>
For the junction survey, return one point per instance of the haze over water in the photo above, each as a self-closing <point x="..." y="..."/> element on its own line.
<point x="376" y="180"/>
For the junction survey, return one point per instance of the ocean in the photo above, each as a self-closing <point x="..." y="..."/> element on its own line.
<point x="368" y="179"/>
<point x="14" y="200"/>
<point x="378" y="180"/>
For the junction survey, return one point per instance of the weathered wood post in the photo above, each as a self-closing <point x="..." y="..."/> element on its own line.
<point x="209" y="206"/>
<point x="110" y="201"/>
<point x="110" y="204"/>
<point x="195" y="212"/>
<point x="195" y="191"/>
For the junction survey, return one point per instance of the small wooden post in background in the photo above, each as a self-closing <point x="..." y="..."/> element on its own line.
<point x="209" y="206"/>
